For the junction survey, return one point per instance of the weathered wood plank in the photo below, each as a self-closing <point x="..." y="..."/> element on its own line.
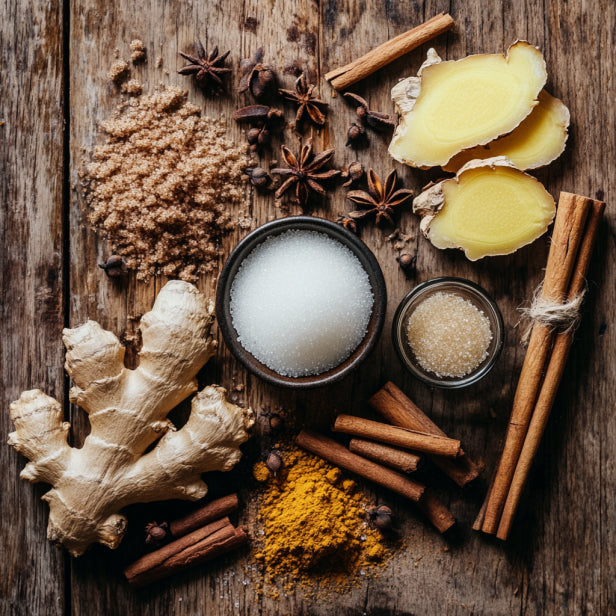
<point x="31" y="279"/>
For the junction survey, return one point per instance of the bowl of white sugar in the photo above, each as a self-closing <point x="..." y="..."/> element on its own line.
<point x="448" y="332"/>
<point x="301" y="302"/>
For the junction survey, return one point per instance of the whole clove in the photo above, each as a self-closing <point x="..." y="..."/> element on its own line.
<point x="380" y="517"/>
<point x="257" y="77"/>
<point x="352" y="172"/>
<point x="377" y="121"/>
<point x="155" y="532"/>
<point x="356" y="136"/>
<point x="347" y="222"/>
<point x="267" y="120"/>
<point x="259" y="177"/>
<point x="114" y="267"/>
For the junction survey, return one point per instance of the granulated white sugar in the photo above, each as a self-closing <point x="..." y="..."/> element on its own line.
<point x="449" y="335"/>
<point x="301" y="303"/>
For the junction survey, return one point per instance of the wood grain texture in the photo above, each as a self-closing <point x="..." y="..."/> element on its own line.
<point x="562" y="553"/>
<point x="31" y="280"/>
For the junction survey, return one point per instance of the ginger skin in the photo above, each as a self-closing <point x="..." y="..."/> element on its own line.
<point x="127" y="411"/>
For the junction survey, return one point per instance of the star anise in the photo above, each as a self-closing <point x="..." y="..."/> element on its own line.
<point x="304" y="173"/>
<point x="207" y="69"/>
<point x="380" y="200"/>
<point x="308" y="103"/>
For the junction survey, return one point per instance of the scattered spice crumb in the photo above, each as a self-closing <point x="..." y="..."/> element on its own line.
<point x="132" y="87"/>
<point x="137" y="48"/>
<point x="164" y="185"/>
<point x="118" y="71"/>
<point x="159" y="62"/>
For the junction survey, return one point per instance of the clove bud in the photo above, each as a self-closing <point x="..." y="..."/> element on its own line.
<point x="267" y="120"/>
<point x="380" y="517"/>
<point x="257" y="77"/>
<point x="258" y="176"/>
<point x="352" y="172"/>
<point x="155" y="533"/>
<point x="405" y="261"/>
<point x="114" y="266"/>
<point x="380" y="122"/>
<point x="347" y="223"/>
<point x="356" y="135"/>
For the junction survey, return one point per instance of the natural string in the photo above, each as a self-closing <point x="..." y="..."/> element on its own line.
<point x="562" y="316"/>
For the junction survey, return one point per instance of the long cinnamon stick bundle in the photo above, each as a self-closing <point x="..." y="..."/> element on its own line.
<point x="335" y="453"/>
<point x="566" y="239"/>
<point x="552" y="378"/>
<point x="400" y="410"/>
<point x="393" y="435"/>
<point x="389" y="51"/>
<point x="404" y="461"/>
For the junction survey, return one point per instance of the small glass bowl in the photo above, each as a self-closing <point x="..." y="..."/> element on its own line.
<point x="467" y="290"/>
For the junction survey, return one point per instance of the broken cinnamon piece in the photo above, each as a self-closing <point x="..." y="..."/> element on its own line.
<point x="345" y="76"/>
<point x="435" y="511"/>
<point x="399" y="410"/>
<point x="404" y="461"/>
<point x="401" y="437"/>
<point x="214" y="510"/>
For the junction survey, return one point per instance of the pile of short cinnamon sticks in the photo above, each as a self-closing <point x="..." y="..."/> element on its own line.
<point x="382" y="447"/>
<point x="573" y="239"/>
<point x="198" y="537"/>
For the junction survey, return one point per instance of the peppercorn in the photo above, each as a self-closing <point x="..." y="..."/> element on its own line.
<point x="405" y="261"/>
<point x="114" y="266"/>
<point x="276" y="422"/>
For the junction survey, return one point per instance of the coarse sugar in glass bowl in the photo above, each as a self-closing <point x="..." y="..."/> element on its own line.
<point x="448" y="332"/>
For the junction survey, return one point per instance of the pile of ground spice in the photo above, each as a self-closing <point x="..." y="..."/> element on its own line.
<point x="315" y="525"/>
<point x="166" y="185"/>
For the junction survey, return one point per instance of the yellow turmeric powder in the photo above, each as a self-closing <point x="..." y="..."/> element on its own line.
<point x="315" y="524"/>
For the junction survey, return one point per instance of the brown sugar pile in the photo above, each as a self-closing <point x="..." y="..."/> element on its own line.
<point x="166" y="185"/>
<point x="315" y="525"/>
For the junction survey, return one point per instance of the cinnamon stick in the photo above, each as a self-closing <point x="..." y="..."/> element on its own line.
<point x="400" y="410"/>
<point x="337" y="454"/>
<point x="389" y="51"/>
<point x="393" y="435"/>
<point x="404" y="461"/>
<point x="553" y="376"/>
<point x="220" y="537"/>
<point x="566" y="238"/>
<point x="214" y="510"/>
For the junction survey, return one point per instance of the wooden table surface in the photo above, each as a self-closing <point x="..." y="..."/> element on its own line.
<point x="561" y="557"/>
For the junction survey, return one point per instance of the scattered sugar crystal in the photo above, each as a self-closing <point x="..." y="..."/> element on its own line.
<point x="449" y="335"/>
<point x="301" y="303"/>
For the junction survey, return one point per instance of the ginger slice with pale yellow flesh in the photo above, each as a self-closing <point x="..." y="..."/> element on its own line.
<point x="452" y="106"/>
<point x="539" y="140"/>
<point x="490" y="208"/>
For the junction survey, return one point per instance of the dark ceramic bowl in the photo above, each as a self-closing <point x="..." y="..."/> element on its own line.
<point x="247" y="245"/>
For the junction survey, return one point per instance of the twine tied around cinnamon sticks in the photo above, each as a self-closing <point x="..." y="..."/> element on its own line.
<point x="561" y="316"/>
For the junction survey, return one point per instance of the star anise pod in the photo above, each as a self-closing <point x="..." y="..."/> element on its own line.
<point x="305" y="173"/>
<point x="380" y="200"/>
<point x="308" y="103"/>
<point x="207" y="69"/>
<point x="257" y="77"/>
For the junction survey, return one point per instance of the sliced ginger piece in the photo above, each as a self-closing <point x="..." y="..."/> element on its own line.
<point x="539" y="139"/>
<point x="452" y="106"/>
<point x="490" y="208"/>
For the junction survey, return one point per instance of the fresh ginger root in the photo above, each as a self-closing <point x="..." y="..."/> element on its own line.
<point x="452" y="106"/>
<point x="490" y="208"/>
<point x="536" y="142"/>
<point x="127" y="411"/>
